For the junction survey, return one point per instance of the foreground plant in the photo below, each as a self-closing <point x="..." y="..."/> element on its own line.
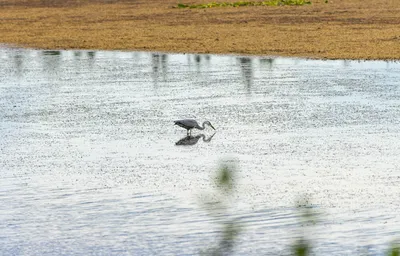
<point x="308" y="218"/>
<point x="246" y="3"/>
<point x="395" y="249"/>
<point x="219" y="201"/>
<point x="217" y="205"/>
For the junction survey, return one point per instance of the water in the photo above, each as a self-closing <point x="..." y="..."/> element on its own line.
<point x="90" y="166"/>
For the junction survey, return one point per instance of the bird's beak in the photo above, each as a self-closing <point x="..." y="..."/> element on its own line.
<point x="212" y="126"/>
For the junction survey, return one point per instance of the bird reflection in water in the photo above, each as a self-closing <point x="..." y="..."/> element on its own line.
<point x="190" y="140"/>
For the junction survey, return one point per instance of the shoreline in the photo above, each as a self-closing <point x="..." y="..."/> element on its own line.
<point x="341" y="30"/>
<point x="194" y="53"/>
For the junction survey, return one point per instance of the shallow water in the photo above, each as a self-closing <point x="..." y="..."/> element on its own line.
<point x="89" y="162"/>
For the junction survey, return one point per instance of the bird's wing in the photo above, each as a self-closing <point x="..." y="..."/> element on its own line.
<point x="186" y="122"/>
<point x="190" y="122"/>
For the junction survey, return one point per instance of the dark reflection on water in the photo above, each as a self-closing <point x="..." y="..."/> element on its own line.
<point x="191" y="140"/>
<point x="246" y="66"/>
<point x="52" y="61"/>
<point x="159" y="67"/>
<point x="88" y="164"/>
<point x="91" y="54"/>
<point x="19" y="63"/>
<point x="267" y="62"/>
<point x="200" y="61"/>
<point x="48" y="52"/>
<point x="77" y="54"/>
<point x="80" y="54"/>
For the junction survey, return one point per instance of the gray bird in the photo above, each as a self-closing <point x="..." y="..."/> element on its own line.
<point x="189" y="124"/>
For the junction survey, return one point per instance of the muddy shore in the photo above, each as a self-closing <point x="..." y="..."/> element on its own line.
<point x="339" y="29"/>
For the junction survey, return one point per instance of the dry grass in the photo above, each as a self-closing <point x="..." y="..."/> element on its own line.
<point x="350" y="29"/>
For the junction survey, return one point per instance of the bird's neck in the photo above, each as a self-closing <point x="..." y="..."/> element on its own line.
<point x="203" y="126"/>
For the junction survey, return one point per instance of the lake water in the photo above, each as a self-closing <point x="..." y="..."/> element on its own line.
<point x="90" y="163"/>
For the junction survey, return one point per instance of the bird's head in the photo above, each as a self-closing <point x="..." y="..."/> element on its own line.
<point x="208" y="123"/>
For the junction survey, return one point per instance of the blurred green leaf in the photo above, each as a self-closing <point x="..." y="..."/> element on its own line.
<point x="225" y="177"/>
<point x="395" y="250"/>
<point x="301" y="248"/>
<point x="217" y="204"/>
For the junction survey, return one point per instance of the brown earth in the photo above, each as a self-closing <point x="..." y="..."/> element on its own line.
<point x="348" y="29"/>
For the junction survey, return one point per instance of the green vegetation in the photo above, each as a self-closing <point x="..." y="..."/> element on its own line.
<point x="309" y="217"/>
<point x="394" y="250"/>
<point x="246" y="3"/>
<point x="217" y="205"/>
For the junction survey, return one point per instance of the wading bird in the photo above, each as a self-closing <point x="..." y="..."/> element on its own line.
<point x="189" y="124"/>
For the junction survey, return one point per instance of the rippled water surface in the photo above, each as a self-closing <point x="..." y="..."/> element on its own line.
<point x="91" y="163"/>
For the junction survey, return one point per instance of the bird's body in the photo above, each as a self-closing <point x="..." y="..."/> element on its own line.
<point x="189" y="124"/>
